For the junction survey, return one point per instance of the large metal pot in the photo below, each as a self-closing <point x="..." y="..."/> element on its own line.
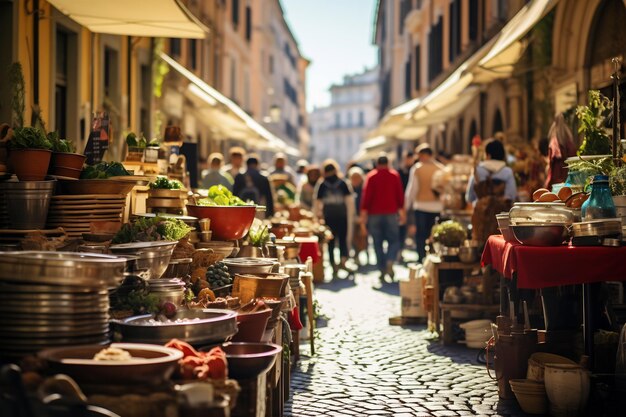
<point x="27" y="203"/>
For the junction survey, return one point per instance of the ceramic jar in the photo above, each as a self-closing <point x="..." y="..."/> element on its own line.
<point x="567" y="387"/>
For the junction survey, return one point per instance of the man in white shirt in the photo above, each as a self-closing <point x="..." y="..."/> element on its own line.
<point x="420" y="197"/>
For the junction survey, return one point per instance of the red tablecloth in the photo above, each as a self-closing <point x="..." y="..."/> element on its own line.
<point x="309" y="247"/>
<point x="541" y="267"/>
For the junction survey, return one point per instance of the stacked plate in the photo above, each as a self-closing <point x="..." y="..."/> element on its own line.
<point x="50" y="299"/>
<point x="38" y="316"/>
<point x="75" y="213"/>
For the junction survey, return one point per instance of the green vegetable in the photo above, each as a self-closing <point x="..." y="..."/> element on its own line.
<point x="449" y="233"/>
<point x="29" y="138"/>
<point x="591" y="119"/>
<point x="104" y="170"/>
<point x="149" y="229"/>
<point x="162" y="183"/>
<point x="221" y="196"/>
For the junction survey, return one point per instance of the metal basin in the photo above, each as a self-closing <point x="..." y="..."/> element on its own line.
<point x="248" y="265"/>
<point x="153" y="256"/>
<point x="203" y="326"/>
<point x="62" y="268"/>
<point x="150" y="364"/>
<point x="249" y="360"/>
<point x="540" y="234"/>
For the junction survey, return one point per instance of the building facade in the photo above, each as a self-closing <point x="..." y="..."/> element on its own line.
<point x="71" y="71"/>
<point x="561" y="49"/>
<point x="338" y="129"/>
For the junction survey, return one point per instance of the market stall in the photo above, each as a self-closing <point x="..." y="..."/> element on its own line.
<point x="180" y="304"/>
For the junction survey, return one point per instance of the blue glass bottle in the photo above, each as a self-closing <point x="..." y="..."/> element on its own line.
<point x="600" y="204"/>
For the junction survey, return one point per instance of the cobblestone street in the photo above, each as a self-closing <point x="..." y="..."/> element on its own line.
<point x="364" y="366"/>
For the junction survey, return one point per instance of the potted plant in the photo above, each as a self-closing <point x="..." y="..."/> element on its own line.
<point x="136" y="147"/>
<point x="152" y="151"/>
<point x="65" y="161"/>
<point x="258" y="237"/>
<point x="449" y="235"/>
<point x="617" y="182"/>
<point x="29" y="154"/>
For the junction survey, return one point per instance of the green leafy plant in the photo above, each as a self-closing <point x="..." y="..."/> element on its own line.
<point x="591" y="119"/>
<point x="104" y="170"/>
<point x="29" y="138"/>
<point x="154" y="143"/>
<point x="61" y="145"/>
<point x="162" y="183"/>
<point x="449" y="233"/>
<point x="134" y="142"/>
<point x="617" y="180"/>
<point x="259" y="236"/>
<point x="149" y="229"/>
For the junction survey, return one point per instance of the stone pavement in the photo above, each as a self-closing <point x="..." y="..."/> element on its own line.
<point x="365" y="367"/>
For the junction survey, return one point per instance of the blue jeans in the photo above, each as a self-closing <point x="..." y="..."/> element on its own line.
<point x="384" y="227"/>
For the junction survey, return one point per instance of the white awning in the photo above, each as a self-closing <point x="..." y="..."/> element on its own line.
<point x="222" y="115"/>
<point x="151" y="18"/>
<point x="510" y="44"/>
<point x="372" y="147"/>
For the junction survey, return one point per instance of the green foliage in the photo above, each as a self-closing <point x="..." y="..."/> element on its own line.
<point x="162" y="183"/>
<point x="591" y="118"/>
<point x="221" y="196"/>
<point x="104" y="170"/>
<point x="449" y="233"/>
<point x="133" y="142"/>
<point x="29" y="138"/>
<point x="617" y="181"/>
<point x="18" y="106"/>
<point x="60" y="145"/>
<point x="259" y="236"/>
<point x="149" y="229"/>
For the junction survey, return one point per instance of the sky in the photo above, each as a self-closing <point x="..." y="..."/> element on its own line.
<point x="336" y="36"/>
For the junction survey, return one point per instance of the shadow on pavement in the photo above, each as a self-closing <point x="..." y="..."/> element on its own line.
<point x="391" y="288"/>
<point x="457" y="353"/>
<point x="337" y="284"/>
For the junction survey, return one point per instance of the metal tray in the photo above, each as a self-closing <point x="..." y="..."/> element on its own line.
<point x="214" y="326"/>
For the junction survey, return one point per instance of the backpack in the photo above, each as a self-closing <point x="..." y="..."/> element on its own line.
<point x="334" y="199"/>
<point x="491" y="201"/>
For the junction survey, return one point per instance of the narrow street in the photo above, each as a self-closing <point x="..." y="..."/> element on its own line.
<point x="364" y="366"/>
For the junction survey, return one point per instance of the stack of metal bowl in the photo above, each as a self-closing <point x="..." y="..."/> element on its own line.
<point x="172" y="290"/>
<point x="540" y="224"/>
<point x="50" y="299"/>
<point x="154" y="256"/>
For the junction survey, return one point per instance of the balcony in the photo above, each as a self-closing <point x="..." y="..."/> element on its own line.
<point x="413" y="21"/>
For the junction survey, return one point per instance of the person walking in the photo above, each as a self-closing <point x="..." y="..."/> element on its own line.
<point x="252" y="185"/>
<point x="359" y="239"/>
<point x="421" y="199"/>
<point x="306" y="196"/>
<point x="382" y="213"/>
<point x="334" y="203"/>
<point x="492" y="190"/>
<point x="408" y="160"/>
<point x="560" y="147"/>
<point x="281" y="167"/>
<point x="214" y="176"/>
<point x="235" y="167"/>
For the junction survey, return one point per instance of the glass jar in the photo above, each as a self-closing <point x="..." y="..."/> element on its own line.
<point x="600" y="204"/>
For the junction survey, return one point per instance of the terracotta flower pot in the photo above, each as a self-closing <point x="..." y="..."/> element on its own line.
<point x="67" y="160"/>
<point x="30" y="164"/>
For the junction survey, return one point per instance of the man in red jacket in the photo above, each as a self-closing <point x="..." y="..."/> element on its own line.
<point x="382" y="210"/>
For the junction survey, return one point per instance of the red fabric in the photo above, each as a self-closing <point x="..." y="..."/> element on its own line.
<point x="311" y="249"/>
<point x="382" y="192"/>
<point x="294" y="319"/>
<point x="541" y="267"/>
